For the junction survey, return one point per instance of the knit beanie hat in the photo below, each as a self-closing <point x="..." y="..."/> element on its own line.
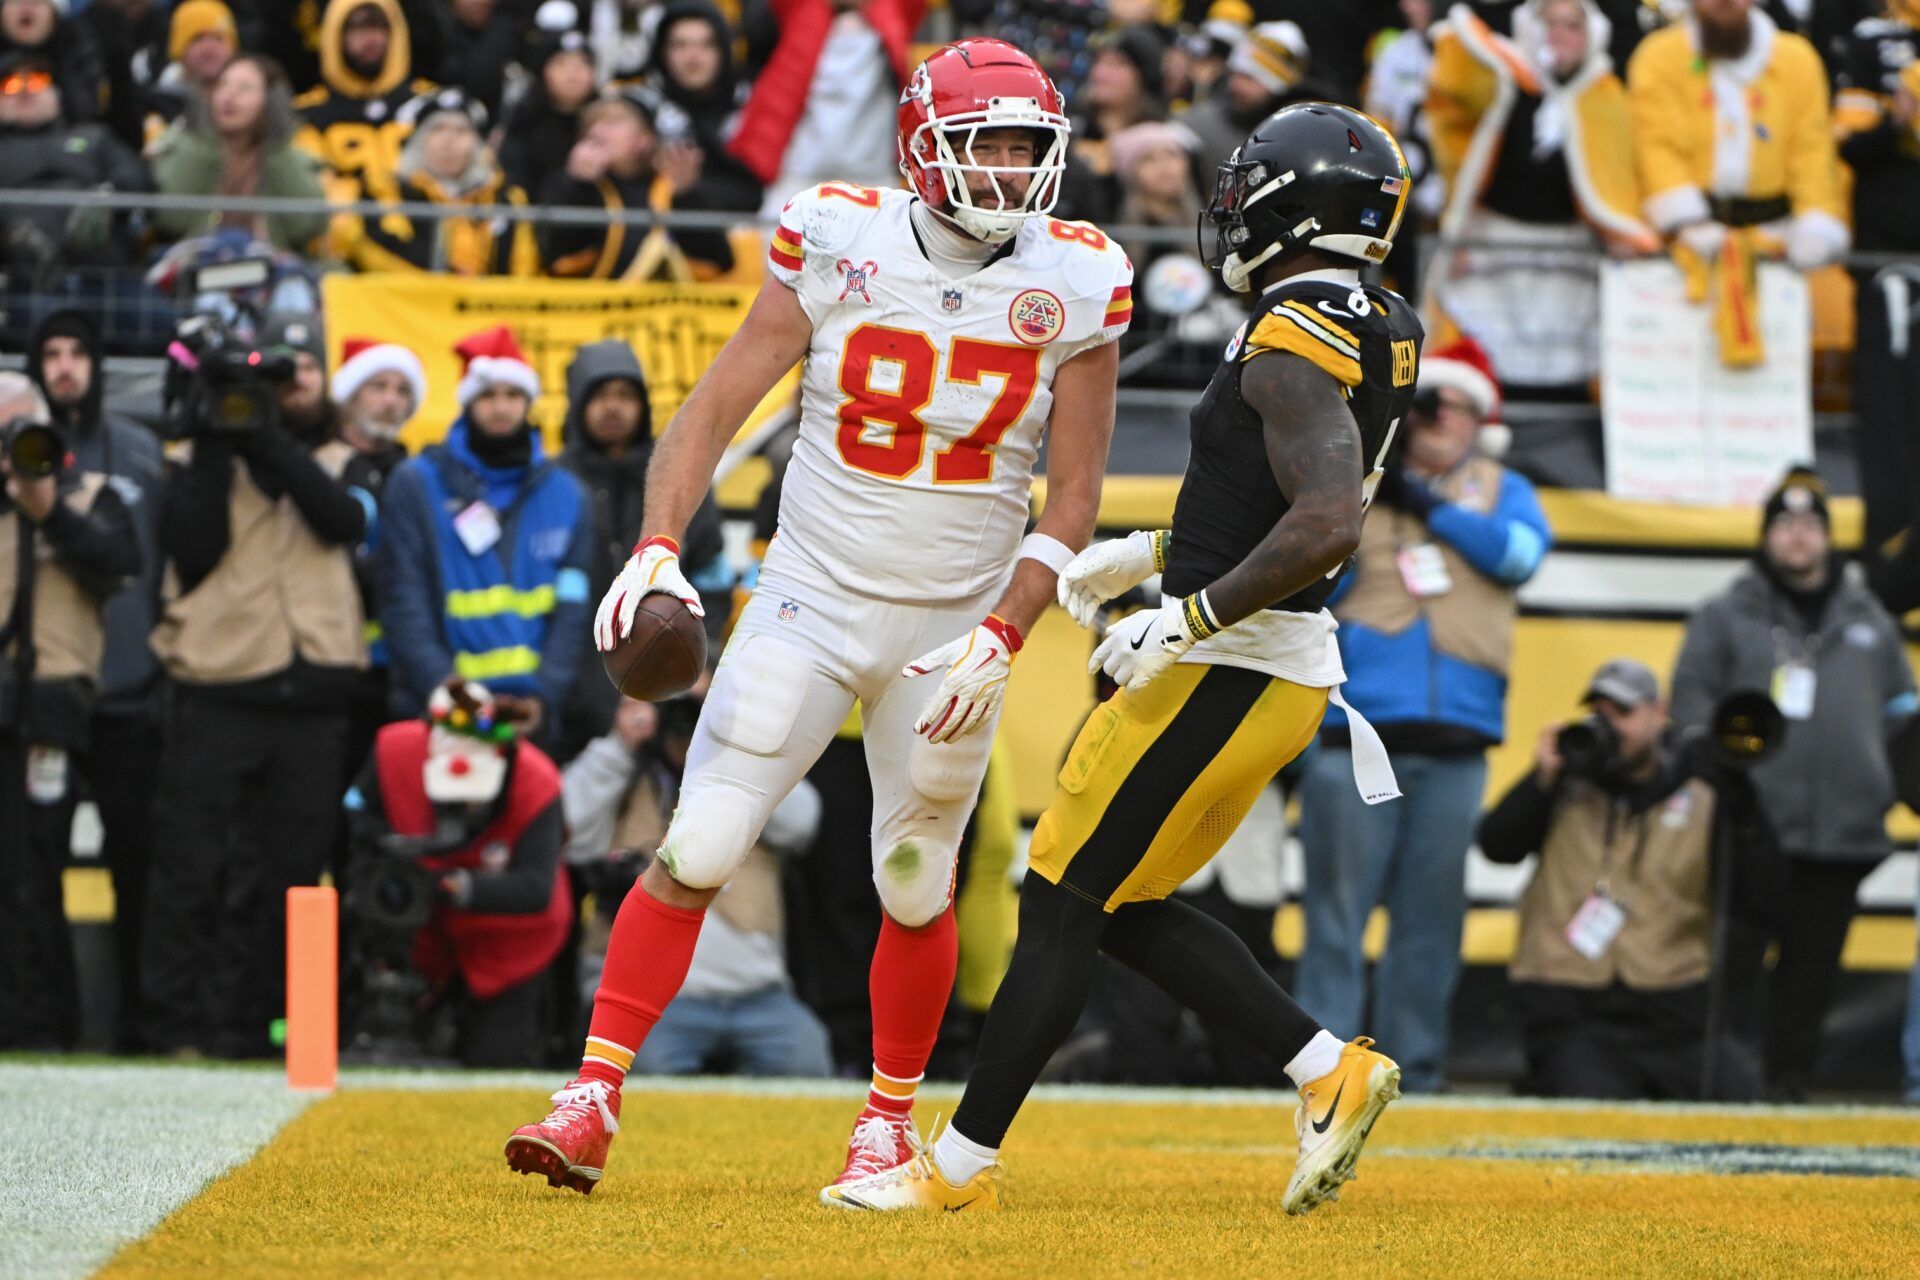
<point x="1274" y="54"/>
<point x="196" y="18"/>
<point x="1800" y="491"/>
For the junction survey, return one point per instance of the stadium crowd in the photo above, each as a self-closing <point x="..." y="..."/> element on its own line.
<point x="299" y="592"/>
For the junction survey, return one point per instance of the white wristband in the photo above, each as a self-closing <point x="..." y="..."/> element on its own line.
<point x="1051" y="552"/>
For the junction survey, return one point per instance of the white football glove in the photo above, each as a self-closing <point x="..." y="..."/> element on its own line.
<point x="1143" y="645"/>
<point x="1107" y="569"/>
<point x="977" y="666"/>
<point x="654" y="566"/>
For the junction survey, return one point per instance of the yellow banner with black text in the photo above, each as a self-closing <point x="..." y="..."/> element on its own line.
<point x="675" y="329"/>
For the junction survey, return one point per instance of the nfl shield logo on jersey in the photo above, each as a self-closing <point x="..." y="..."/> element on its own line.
<point x="789" y="611"/>
<point x="1036" y="317"/>
<point x="856" y="277"/>
<point x="949" y="299"/>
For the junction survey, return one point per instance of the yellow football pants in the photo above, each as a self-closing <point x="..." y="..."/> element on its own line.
<point x="1157" y="780"/>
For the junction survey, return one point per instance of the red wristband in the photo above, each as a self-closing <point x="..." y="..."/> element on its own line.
<point x="657" y="540"/>
<point x="1008" y="633"/>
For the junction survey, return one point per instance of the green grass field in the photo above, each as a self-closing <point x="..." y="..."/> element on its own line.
<point x="377" y="1180"/>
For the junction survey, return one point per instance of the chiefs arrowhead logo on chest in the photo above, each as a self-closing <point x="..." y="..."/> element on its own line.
<point x="1036" y="317"/>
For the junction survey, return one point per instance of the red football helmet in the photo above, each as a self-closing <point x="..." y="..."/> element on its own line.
<point x="968" y="86"/>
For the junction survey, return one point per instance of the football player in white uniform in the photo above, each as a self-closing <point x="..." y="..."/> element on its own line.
<point x="945" y="329"/>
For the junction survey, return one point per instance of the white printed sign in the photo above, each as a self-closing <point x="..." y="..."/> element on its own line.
<point x="1679" y="425"/>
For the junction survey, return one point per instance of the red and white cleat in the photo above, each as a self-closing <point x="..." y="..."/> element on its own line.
<point x="570" y="1145"/>
<point x="880" y="1141"/>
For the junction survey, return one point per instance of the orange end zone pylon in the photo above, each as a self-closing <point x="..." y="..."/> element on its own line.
<point x="313" y="975"/>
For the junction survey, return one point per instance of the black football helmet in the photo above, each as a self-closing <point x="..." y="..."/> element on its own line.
<point x="1313" y="173"/>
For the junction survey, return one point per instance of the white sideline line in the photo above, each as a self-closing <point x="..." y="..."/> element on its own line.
<point x="99" y="1155"/>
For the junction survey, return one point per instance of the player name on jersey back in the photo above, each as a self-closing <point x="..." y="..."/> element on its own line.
<point x="923" y="399"/>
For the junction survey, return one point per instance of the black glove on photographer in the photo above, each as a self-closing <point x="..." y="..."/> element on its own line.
<point x="280" y="465"/>
<point x="1400" y="488"/>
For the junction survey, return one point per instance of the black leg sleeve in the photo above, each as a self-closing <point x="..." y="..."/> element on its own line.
<point x="1203" y="964"/>
<point x="1038" y="1003"/>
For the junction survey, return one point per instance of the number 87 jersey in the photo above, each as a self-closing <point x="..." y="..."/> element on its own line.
<point x="924" y="398"/>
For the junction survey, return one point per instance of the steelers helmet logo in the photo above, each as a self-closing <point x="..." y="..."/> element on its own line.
<point x="1036" y="317"/>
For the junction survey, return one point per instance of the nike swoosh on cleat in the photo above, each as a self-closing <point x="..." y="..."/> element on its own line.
<point x="955" y="1208"/>
<point x="1320" y="1125"/>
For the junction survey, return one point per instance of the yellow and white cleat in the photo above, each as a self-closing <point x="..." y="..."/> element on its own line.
<point x="917" y="1184"/>
<point x="1336" y="1114"/>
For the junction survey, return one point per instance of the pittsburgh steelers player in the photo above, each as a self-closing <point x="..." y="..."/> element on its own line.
<point x="1226" y="681"/>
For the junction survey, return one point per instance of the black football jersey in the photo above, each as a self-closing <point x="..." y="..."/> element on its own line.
<point x="1877" y="51"/>
<point x="1366" y="337"/>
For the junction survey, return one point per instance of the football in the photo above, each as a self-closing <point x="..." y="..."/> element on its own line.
<point x="662" y="655"/>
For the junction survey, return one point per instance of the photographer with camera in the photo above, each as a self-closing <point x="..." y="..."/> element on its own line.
<point x="1799" y="624"/>
<point x="1616" y="927"/>
<point x="457" y="876"/>
<point x="737" y="1010"/>
<point x="261" y="634"/>
<point x="67" y="358"/>
<point x="66" y="544"/>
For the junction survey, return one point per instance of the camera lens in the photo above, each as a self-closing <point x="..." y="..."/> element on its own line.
<point x="35" y="451"/>
<point x="393" y="895"/>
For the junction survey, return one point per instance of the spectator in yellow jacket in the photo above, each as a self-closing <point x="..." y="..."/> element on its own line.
<point x="1732" y="131"/>
<point x="447" y="162"/>
<point x="1534" y="136"/>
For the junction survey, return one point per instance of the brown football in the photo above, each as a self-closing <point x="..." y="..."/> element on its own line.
<point x="662" y="655"/>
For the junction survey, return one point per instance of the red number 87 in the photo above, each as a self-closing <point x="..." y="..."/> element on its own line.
<point x="968" y="460"/>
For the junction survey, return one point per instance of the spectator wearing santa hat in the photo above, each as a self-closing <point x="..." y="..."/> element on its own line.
<point x="1426" y="632"/>
<point x="484" y="551"/>
<point x="378" y="387"/>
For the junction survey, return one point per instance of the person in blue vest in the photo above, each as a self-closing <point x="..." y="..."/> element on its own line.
<point x="484" y="553"/>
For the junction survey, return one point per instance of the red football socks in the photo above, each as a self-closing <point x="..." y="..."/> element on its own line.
<point x="911" y="978"/>
<point x="647" y="959"/>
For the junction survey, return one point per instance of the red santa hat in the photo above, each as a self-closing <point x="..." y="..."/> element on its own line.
<point x="1462" y="366"/>
<point x="493" y="358"/>
<point x="362" y="358"/>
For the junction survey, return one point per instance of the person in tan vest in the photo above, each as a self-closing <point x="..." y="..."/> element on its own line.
<point x="261" y="635"/>
<point x="66" y="544"/>
<point x="738" y="1010"/>
<point x="1616" y="927"/>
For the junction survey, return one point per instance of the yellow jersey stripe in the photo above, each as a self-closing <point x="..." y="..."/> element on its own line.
<point x="1307" y="320"/>
<point x="1276" y="333"/>
<point x="1319" y="320"/>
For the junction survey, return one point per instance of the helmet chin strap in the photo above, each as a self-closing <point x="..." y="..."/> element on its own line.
<point x="978" y="224"/>
<point x="1238" y="275"/>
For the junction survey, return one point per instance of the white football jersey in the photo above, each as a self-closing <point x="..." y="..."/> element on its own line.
<point x="923" y="399"/>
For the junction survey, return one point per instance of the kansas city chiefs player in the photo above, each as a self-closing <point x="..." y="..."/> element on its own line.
<point x="945" y="330"/>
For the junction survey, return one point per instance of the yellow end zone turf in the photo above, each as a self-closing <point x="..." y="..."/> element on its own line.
<point x="379" y="1182"/>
